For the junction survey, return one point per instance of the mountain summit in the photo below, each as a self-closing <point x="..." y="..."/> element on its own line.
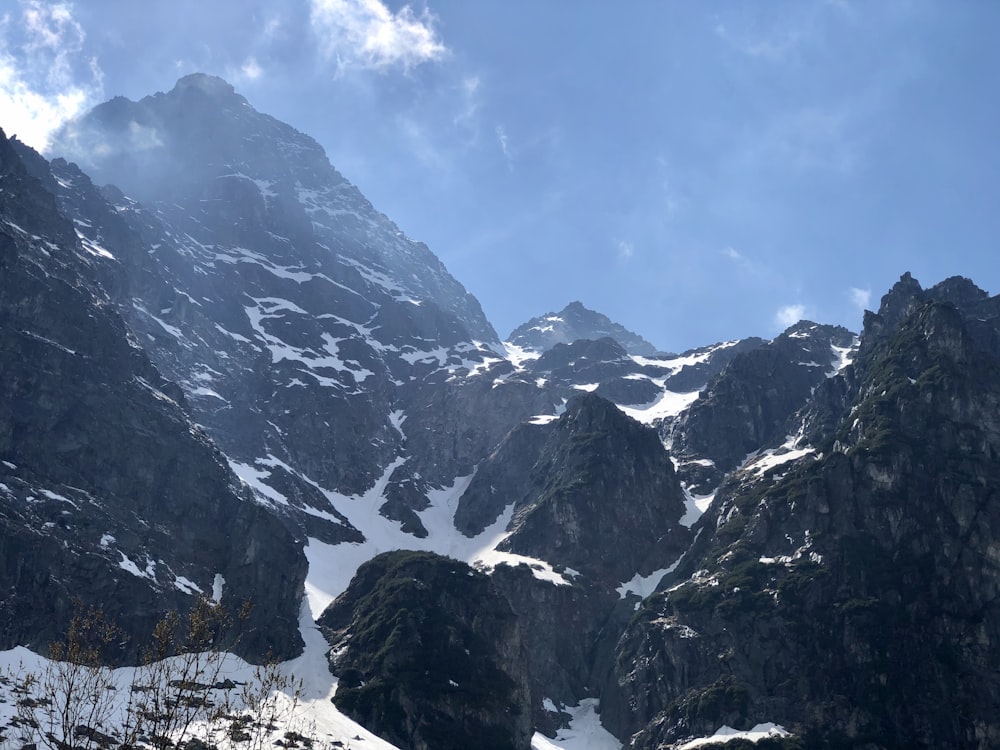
<point x="572" y="323"/>
<point x="204" y="148"/>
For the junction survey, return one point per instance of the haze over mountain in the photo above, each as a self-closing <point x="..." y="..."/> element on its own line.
<point x="736" y="167"/>
<point x="227" y="375"/>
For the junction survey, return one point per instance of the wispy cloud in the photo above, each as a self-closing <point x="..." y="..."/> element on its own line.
<point x="789" y="315"/>
<point x="626" y="250"/>
<point x="766" y="34"/>
<point x="45" y="77"/>
<point x="747" y="266"/>
<point x="775" y="47"/>
<point x="860" y="298"/>
<point x="469" y="102"/>
<point x="734" y="255"/>
<point x="504" y="142"/>
<point x="816" y="138"/>
<point x="366" y="34"/>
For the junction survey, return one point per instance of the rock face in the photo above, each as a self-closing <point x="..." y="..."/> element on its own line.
<point x="281" y="301"/>
<point x="593" y="491"/>
<point x="853" y="597"/>
<point x="753" y="402"/>
<point x="429" y="656"/>
<point x="110" y="494"/>
<point x="572" y="323"/>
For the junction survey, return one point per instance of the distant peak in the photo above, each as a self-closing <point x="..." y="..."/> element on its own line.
<point x="572" y="323"/>
<point x="208" y="84"/>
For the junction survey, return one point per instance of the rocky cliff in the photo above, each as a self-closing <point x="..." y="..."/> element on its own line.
<point x="111" y="495"/>
<point x="850" y="596"/>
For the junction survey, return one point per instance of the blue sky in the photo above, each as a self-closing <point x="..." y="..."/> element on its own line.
<point x="697" y="171"/>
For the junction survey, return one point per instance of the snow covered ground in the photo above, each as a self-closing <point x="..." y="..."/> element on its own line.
<point x="310" y="713"/>
<point x="331" y="568"/>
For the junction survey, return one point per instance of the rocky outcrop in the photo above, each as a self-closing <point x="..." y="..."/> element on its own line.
<point x="752" y="403"/>
<point x="851" y="598"/>
<point x="429" y="656"/>
<point x="593" y="491"/>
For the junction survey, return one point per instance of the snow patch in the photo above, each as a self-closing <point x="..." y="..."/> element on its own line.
<point x="187" y="585"/>
<point x="667" y="404"/>
<point x="694" y="507"/>
<point x="218" y="584"/>
<point x="726" y="734"/>
<point x="129" y="566"/>
<point x="843" y="356"/>
<point x="643" y="586"/>
<point x="584" y="732"/>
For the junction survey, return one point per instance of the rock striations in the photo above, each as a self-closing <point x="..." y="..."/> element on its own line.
<point x="110" y="494"/>
<point x="218" y="360"/>
<point x="853" y="595"/>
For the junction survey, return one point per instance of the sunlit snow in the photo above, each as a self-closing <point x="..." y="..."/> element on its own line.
<point x="727" y="734"/>
<point x="584" y="732"/>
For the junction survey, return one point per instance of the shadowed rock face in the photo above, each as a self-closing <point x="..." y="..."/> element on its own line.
<point x="429" y="655"/>
<point x="593" y="491"/>
<point x="752" y="403"/>
<point x="852" y="598"/>
<point x="108" y="493"/>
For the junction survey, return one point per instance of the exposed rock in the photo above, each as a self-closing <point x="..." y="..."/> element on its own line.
<point x="851" y="599"/>
<point x="109" y="493"/>
<point x="429" y="656"/>
<point x="593" y="491"/>
<point x="752" y="403"/>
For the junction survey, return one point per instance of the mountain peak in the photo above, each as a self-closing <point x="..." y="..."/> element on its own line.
<point x="206" y="83"/>
<point x="574" y="322"/>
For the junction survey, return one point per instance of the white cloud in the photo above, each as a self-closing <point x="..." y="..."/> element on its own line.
<point x="366" y="34"/>
<point x="626" y="250"/>
<point x="250" y="70"/>
<point x="734" y="255"/>
<point x="272" y="27"/>
<point x="789" y="315"/>
<point x="45" y="79"/>
<point x="860" y="298"/>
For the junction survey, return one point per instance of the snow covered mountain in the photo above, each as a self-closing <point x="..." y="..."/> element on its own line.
<point x="572" y="323"/>
<point x="224" y="372"/>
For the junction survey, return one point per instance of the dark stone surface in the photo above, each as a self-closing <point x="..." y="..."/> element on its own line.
<point x="753" y="402"/>
<point x="594" y="491"/>
<point x="853" y="598"/>
<point x="429" y="655"/>
<point x="101" y="464"/>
